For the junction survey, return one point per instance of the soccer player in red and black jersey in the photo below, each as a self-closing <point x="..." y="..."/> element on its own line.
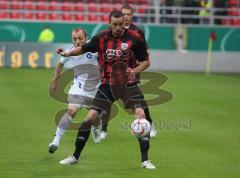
<point x="127" y="11"/>
<point x="118" y="50"/>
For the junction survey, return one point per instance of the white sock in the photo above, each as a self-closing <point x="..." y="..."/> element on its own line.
<point x="63" y="125"/>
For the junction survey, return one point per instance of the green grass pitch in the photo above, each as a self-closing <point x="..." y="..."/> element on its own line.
<point x="198" y="131"/>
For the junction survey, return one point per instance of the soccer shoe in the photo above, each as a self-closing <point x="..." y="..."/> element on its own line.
<point x="96" y="135"/>
<point x="52" y="147"/>
<point x="148" y="165"/>
<point x="103" y="135"/>
<point x="153" y="131"/>
<point x="69" y="160"/>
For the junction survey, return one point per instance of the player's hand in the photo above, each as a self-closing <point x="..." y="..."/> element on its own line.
<point x="131" y="75"/>
<point x="62" y="52"/>
<point x="53" y="87"/>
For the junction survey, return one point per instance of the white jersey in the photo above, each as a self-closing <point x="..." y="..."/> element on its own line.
<point x="86" y="73"/>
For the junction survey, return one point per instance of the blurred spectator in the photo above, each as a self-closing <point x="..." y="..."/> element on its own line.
<point x="205" y="11"/>
<point x="190" y="3"/>
<point x="165" y="10"/>
<point x="178" y="2"/>
<point x="46" y="35"/>
<point x="220" y="4"/>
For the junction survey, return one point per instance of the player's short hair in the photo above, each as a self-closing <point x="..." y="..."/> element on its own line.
<point x="116" y="14"/>
<point x="127" y="6"/>
<point x="77" y="29"/>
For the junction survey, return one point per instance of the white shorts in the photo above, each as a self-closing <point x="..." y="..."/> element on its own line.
<point x="80" y="98"/>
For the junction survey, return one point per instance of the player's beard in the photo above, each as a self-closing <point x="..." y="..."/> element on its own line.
<point x="118" y="33"/>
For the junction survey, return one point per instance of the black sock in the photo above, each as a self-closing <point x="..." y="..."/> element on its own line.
<point x="144" y="147"/>
<point x="104" y="127"/>
<point x="82" y="137"/>
<point x="147" y="115"/>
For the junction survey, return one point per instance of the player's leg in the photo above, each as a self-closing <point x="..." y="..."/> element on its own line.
<point x="63" y="125"/>
<point x="144" y="143"/>
<point x="96" y="130"/>
<point x="100" y="102"/>
<point x="82" y="137"/>
<point x="153" y="131"/>
<point x="105" y="119"/>
<point x="136" y="102"/>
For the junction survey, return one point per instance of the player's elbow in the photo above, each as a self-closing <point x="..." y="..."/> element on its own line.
<point x="147" y="63"/>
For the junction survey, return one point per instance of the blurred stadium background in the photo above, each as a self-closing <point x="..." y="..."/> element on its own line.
<point x="198" y="131"/>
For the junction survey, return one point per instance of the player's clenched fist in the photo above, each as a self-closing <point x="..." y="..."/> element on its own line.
<point x="62" y="52"/>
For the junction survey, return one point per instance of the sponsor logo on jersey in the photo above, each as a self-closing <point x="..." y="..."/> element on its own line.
<point x="118" y="53"/>
<point x="89" y="55"/>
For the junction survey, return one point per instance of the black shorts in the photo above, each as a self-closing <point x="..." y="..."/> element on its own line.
<point x="130" y="94"/>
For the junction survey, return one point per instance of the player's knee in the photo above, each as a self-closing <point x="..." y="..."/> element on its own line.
<point x="72" y="111"/>
<point x="139" y="113"/>
<point x="92" y="115"/>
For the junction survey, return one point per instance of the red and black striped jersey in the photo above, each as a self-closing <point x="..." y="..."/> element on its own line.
<point x="116" y="55"/>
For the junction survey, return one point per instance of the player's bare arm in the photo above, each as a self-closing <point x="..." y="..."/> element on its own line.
<point x="140" y="68"/>
<point x="58" y="70"/>
<point x="74" y="52"/>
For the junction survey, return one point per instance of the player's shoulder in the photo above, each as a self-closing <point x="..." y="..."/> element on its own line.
<point x="134" y="34"/>
<point x="102" y="33"/>
<point x="136" y="29"/>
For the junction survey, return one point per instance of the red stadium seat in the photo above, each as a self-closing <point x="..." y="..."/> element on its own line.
<point x="232" y="2"/>
<point x="105" y="18"/>
<point x="67" y="6"/>
<point x="117" y="6"/>
<point x="226" y="22"/>
<point x="144" y="2"/>
<point x="119" y="1"/>
<point x="233" y="11"/>
<point x="79" y="6"/>
<point x="14" y="5"/>
<point x="235" y="22"/>
<point x="53" y="16"/>
<point x="80" y="17"/>
<point x="142" y="9"/>
<point x="92" y="18"/>
<point x="67" y="17"/>
<point x="41" y="16"/>
<point x="105" y="8"/>
<point x="92" y="7"/>
<point x="131" y="2"/>
<point x="41" y="6"/>
<point x="28" y="5"/>
<point x="3" y="15"/>
<point x="29" y="15"/>
<point x="53" y="6"/>
<point x="15" y="15"/>
<point x="3" y="5"/>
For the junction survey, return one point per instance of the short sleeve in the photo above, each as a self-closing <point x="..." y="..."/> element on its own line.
<point x="63" y="60"/>
<point x="91" y="46"/>
<point x="140" y="50"/>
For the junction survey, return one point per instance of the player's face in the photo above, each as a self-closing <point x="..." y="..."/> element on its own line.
<point x="128" y="16"/>
<point x="78" y="38"/>
<point x="117" y="25"/>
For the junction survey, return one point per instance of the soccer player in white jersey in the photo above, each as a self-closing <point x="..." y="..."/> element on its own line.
<point x="82" y="90"/>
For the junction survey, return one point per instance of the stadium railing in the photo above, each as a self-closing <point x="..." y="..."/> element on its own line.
<point x="98" y="13"/>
